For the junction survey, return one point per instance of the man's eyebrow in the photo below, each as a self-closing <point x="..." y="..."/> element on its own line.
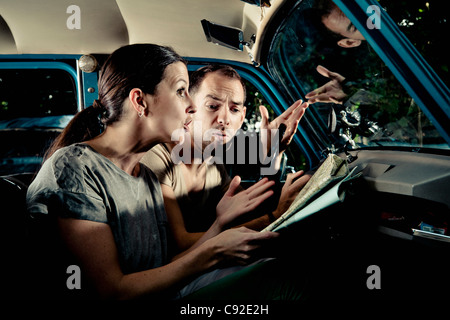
<point x="211" y="96"/>
<point x="351" y="27"/>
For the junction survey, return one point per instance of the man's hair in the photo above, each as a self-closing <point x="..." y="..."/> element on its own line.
<point x="325" y="6"/>
<point x="196" y="77"/>
<point x="323" y="9"/>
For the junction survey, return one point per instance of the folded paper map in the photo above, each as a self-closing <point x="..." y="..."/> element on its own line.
<point x="322" y="190"/>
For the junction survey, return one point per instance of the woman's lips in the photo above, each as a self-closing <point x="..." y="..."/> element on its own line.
<point x="186" y="126"/>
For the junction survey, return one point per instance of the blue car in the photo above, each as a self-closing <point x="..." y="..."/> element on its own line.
<point x="374" y="72"/>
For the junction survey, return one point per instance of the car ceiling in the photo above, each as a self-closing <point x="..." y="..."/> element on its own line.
<point x="40" y="26"/>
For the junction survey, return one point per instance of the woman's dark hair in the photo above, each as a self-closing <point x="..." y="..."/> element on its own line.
<point x="134" y="66"/>
<point x="196" y="77"/>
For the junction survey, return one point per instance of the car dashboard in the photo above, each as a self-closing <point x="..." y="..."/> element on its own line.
<point x="395" y="218"/>
<point x="418" y="175"/>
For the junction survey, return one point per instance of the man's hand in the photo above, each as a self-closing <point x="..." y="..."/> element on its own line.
<point x="290" y="118"/>
<point x="330" y="92"/>
<point x="294" y="183"/>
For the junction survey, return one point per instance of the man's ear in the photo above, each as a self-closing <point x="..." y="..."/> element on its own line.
<point x="348" y="43"/>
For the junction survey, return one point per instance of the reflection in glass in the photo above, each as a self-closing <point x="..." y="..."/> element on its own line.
<point x="357" y="102"/>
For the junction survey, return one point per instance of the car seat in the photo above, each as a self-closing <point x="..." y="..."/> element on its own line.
<point x="14" y="236"/>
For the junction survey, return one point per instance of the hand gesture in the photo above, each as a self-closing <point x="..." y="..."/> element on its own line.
<point x="233" y="203"/>
<point x="294" y="183"/>
<point x="330" y="92"/>
<point x="290" y="118"/>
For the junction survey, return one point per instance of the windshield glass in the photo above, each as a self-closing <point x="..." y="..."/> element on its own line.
<point x="356" y="101"/>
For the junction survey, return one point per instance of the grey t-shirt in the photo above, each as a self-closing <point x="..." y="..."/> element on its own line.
<point x="77" y="182"/>
<point x="199" y="208"/>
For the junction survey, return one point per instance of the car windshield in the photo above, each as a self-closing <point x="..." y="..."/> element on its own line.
<point x="359" y="102"/>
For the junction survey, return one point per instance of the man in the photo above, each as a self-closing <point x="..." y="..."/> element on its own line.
<point x="344" y="91"/>
<point x="193" y="189"/>
<point x="338" y="25"/>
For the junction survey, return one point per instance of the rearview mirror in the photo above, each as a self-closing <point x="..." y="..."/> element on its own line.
<point x="229" y="37"/>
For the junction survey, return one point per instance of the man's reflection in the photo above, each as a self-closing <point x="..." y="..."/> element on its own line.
<point x="337" y="22"/>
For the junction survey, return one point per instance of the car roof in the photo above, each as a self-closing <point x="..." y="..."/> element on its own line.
<point x="40" y="27"/>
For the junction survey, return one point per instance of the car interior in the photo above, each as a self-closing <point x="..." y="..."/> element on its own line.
<point x="396" y="216"/>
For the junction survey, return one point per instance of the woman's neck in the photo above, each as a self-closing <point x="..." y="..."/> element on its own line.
<point x="121" y="149"/>
<point x="193" y="160"/>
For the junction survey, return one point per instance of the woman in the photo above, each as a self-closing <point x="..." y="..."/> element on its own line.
<point x="109" y="208"/>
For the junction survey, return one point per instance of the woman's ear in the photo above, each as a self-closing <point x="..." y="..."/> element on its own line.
<point x="137" y="101"/>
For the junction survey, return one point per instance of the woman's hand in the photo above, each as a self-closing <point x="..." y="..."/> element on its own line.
<point x="239" y="245"/>
<point x="233" y="204"/>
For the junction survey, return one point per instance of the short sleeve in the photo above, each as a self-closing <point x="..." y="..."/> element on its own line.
<point x="61" y="191"/>
<point x="67" y="204"/>
<point x="159" y="162"/>
<point x="79" y="206"/>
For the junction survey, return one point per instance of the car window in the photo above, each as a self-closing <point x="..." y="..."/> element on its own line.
<point x="369" y="107"/>
<point x="423" y="23"/>
<point x="35" y="105"/>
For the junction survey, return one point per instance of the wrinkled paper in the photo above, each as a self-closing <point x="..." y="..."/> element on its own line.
<point x="322" y="190"/>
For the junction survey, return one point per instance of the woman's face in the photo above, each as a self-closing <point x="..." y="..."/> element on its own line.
<point x="172" y="106"/>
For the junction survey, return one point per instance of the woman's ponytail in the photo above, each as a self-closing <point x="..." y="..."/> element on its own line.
<point x="85" y="125"/>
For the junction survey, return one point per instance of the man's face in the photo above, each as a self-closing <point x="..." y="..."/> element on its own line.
<point x="220" y="109"/>
<point x="338" y="22"/>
